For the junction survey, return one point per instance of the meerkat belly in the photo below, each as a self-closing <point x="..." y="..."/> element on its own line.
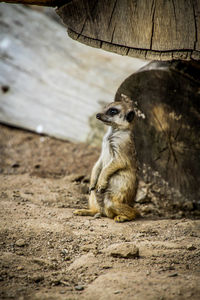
<point x="106" y="156"/>
<point x="122" y="186"/>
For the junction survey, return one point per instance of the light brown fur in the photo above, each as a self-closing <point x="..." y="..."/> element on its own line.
<point x="113" y="183"/>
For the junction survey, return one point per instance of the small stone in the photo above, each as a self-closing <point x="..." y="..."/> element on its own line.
<point x="147" y="273"/>
<point x="173" y="275"/>
<point x="88" y="248"/>
<point x="107" y="267"/>
<point x="123" y="250"/>
<point x="37" y="278"/>
<point x="19" y="253"/>
<point x="55" y="281"/>
<point x="20" y="243"/>
<point x="117" y="292"/>
<point x="65" y="251"/>
<point x="191" y="247"/>
<point x="79" y="288"/>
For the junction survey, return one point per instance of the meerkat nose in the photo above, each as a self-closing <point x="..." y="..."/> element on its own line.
<point x="98" y="116"/>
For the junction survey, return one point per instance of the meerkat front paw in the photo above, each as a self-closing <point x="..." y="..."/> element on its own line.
<point x="101" y="189"/>
<point x="91" y="188"/>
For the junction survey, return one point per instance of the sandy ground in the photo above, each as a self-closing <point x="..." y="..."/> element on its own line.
<point x="47" y="253"/>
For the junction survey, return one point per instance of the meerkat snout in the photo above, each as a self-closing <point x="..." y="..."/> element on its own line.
<point x="98" y="116"/>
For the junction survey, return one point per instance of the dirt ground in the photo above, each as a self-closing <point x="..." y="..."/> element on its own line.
<point x="47" y="253"/>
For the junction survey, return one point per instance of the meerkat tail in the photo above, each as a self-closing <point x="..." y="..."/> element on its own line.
<point x="85" y="212"/>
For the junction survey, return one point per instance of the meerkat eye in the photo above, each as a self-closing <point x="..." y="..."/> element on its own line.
<point x="112" y="111"/>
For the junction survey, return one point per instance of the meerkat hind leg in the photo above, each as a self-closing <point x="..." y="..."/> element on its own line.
<point x="93" y="207"/>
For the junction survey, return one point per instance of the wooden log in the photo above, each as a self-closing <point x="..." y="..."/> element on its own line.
<point x="166" y="97"/>
<point x="49" y="83"/>
<point x="150" y="29"/>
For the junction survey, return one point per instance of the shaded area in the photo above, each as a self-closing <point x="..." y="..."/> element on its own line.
<point x="167" y="128"/>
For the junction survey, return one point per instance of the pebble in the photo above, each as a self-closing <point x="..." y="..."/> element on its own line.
<point x="36" y="278"/>
<point x="79" y="288"/>
<point x="123" y="250"/>
<point x="117" y="292"/>
<point x="173" y="275"/>
<point x="191" y="247"/>
<point x="20" y="243"/>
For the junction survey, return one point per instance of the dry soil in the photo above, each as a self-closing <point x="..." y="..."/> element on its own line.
<point x="47" y="253"/>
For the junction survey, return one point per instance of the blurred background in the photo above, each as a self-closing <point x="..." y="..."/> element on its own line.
<point x="49" y="83"/>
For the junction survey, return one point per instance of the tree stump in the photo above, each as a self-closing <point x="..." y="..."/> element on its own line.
<point x="161" y="30"/>
<point x="166" y="98"/>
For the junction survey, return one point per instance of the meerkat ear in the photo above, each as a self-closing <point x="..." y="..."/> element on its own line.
<point x="130" y="116"/>
<point x="126" y="99"/>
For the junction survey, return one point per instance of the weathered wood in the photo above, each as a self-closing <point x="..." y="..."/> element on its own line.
<point x="166" y="96"/>
<point x="48" y="82"/>
<point x="161" y="30"/>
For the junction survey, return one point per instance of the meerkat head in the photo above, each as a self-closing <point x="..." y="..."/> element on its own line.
<point x="118" y="114"/>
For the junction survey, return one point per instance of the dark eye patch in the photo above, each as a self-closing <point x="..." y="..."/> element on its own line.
<point x="112" y="111"/>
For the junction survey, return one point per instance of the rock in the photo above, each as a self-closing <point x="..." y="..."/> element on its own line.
<point x="79" y="288"/>
<point x="173" y="275"/>
<point x="90" y="247"/>
<point x="40" y="262"/>
<point x="117" y="292"/>
<point x="56" y="281"/>
<point x="123" y="250"/>
<point x="37" y="278"/>
<point x="85" y="260"/>
<point x="191" y="247"/>
<point x="20" y="243"/>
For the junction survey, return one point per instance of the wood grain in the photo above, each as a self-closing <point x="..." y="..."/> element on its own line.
<point x="167" y="138"/>
<point x="148" y="29"/>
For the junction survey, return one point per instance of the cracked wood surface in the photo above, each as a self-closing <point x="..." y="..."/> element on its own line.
<point x="150" y="29"/>
<point x="166" y="97"/>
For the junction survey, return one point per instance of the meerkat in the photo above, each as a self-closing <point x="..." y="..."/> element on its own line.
<point x="113" y="183"/>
